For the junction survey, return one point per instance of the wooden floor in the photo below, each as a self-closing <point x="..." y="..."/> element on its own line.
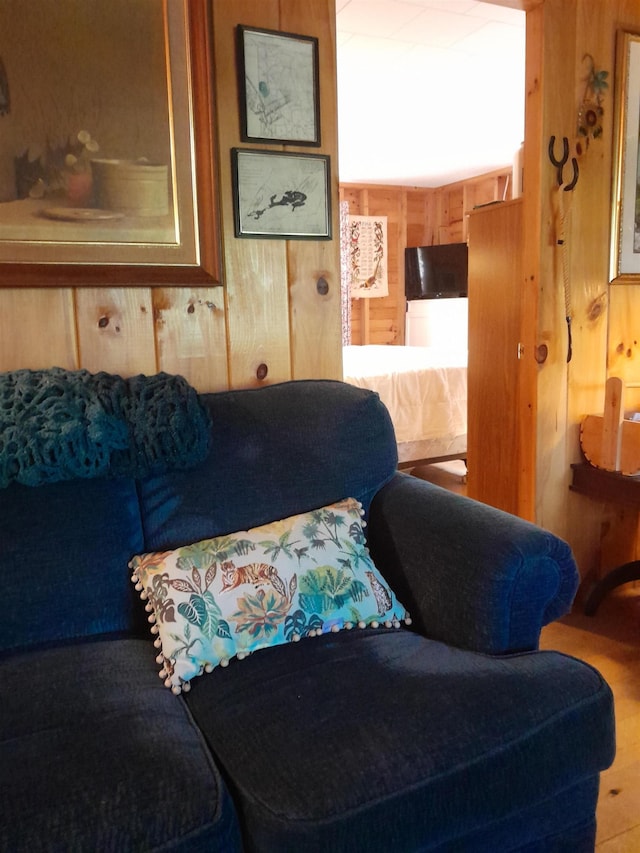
<point x="610" y="641"/>
<point x="451" y="475"/>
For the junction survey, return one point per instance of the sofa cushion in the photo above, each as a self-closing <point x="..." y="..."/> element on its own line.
<point x="386" y="740"/>
<point x="97" y="755"/>
<point x="236" y="594"/>
<point x="63" y="560"/>
<point x="276" y="451"/>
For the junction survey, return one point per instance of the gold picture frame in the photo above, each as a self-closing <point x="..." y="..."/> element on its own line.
<point x="125" y="94"/>
<point x="625" y="219"/>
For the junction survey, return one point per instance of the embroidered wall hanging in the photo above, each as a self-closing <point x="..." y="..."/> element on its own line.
<point x="368" y="258"/>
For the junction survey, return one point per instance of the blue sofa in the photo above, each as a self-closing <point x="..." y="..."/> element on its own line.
<point x="451" y="733"/>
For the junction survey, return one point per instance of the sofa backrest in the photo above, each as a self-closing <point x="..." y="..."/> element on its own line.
<point x="275" y="451"/>
<point x="64" y="549"/>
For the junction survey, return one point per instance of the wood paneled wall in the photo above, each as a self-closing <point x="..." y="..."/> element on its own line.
<point x="271" y="316"/>
<point x="269" y="322"/>
<point x="605" y="319"/>
<point x="415" y="217"/>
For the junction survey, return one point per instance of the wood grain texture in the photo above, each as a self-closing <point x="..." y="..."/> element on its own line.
<point x="604" y="319"/>
<point x="267" y="324"/>
<point x="527" y="400"/>
<point x="191" y="336"/>
<point x="495" y="270"/>
<point x="315" y="317"/>
<point x="270" y="304"/>
<point x="115" y="330"/>
<point x="416" y="216"/>
<point x="589" y="220"/>
<point x="609" y="450"/>
<point x="612" y="423"/>
<point x="557" y="118"/>
<point x="254" y="270"/>
<point x="623" y="345"/>
<point x="316" y="338"/>
<point x="37" y="329"/>
<point x="609" y="641"/>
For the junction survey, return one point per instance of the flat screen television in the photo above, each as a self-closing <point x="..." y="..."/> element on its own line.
<point x="436" y="272"/>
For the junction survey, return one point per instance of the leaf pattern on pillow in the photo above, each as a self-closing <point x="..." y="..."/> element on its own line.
<point x="231" y="595"/>
<point x="326" y="588"/>
<point x="261" y="614"/>
<point x="203" y="612"/>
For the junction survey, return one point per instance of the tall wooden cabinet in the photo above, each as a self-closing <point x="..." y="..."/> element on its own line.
<point x="494" y="432"/>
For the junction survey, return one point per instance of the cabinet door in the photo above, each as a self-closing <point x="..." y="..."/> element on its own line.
<point x="495" y="286"/>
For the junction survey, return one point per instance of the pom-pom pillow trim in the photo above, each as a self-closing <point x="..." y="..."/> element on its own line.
<point x="236" y="594"/>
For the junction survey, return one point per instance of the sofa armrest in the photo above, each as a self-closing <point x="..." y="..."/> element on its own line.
<point x="469" y="574"/>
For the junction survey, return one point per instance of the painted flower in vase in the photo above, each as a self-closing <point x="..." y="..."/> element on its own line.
<point x="58" y="170"/>
<point x="78" y="179"/>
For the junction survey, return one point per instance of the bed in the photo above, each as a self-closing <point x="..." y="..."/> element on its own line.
<point x="425" y="390"/>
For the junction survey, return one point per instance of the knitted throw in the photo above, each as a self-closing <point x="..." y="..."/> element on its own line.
<point x="59" y="425"/>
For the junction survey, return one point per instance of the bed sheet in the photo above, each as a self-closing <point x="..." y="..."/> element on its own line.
<point x="424" y="389"/>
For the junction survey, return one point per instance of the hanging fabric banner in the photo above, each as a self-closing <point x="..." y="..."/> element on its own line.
<point x="345" y="275"/>
<point x="368" y="256"/>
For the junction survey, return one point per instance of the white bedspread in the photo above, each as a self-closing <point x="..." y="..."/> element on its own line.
<point x="424" y="388"/>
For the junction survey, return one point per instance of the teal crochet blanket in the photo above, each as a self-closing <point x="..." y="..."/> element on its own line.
<point x="59" y="425"/>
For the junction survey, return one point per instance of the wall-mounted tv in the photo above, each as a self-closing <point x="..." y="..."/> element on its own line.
<point x="435" y="272"/>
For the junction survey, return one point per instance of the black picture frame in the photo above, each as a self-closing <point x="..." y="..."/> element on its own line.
<point x="281" y="195"/>
<point x="278" y="83"/>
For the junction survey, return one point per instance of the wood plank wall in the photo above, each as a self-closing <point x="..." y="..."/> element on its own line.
<point x="270" y="316"/>
<point x="415" y="217"/>
<point x="270" y="312"/>
<point x="606" y="319"/>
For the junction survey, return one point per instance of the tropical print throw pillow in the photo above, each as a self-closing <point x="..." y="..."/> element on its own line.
<point x="232" y="595"/>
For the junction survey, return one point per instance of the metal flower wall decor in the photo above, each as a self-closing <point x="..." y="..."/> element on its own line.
<point x="590" y="112"/>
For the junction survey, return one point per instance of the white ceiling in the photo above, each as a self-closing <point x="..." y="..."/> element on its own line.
<point x="429" y="91"/>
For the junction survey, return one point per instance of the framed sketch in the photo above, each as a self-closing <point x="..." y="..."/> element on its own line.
<point x="282" y="196"/>
<point x="625" y="219"/>
<point x="107" y="143"/>
<point x="278" y="83"/>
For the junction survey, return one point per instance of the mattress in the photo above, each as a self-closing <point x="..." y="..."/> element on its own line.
<point x="425" y="391"/>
